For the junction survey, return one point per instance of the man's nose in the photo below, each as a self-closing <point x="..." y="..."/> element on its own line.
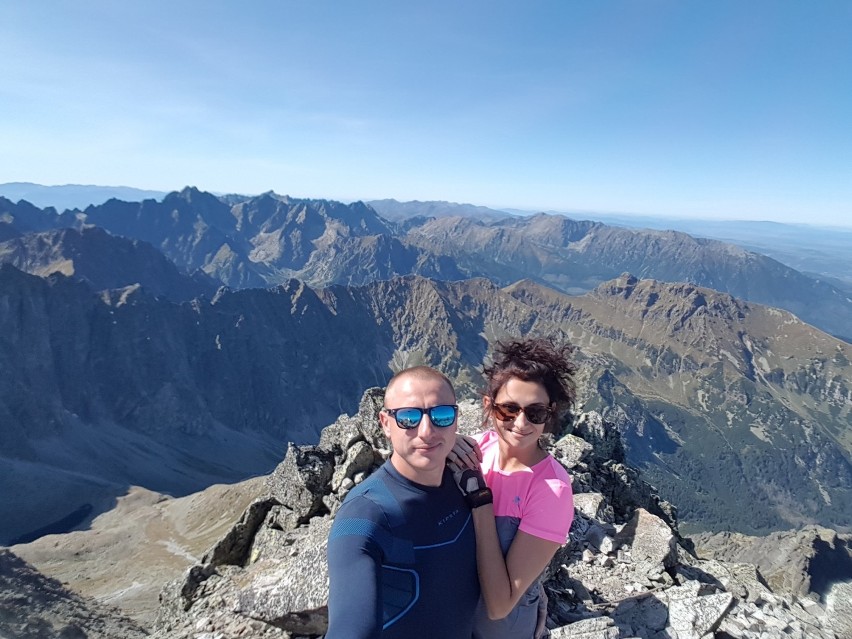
<point x="426" y="426"/>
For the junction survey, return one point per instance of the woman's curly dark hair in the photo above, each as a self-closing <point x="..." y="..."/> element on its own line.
<point x="535" y="359"/>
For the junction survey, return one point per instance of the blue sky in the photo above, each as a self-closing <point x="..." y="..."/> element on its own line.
<point x="715" y="109"/>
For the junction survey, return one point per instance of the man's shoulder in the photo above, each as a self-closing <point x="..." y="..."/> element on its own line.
<point x="373" y="498"/>
<point x="371" y="483"/>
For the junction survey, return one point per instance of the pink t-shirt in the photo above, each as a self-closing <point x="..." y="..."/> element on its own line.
<point x="538" y="501"/>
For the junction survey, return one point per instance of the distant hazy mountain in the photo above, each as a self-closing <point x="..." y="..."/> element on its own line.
<point x="740" y="413"/>
<point x="576" y="256"/>
<point x="73" y="196"/>
<point x="23" y="217"/>
<point x="267" y="240"/>
<point x="259" y="241"/>
<point x="103" y="261"/>
<point x="401" y="211"/>
<point x="820" y="251"/>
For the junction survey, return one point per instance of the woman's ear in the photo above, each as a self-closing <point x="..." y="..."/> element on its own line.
<point x="550" y="426"/>
<point x="487" y="422"/>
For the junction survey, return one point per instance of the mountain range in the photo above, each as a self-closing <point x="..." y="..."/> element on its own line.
<point x="821" y="252"/>
<point x="817" y="251"/>
<point x="126" y="362"/>
<point x="268" y="239"/>
<point x="739" y="410"/>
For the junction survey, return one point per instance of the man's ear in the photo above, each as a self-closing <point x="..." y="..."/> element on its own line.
<point x="384" y="421"/>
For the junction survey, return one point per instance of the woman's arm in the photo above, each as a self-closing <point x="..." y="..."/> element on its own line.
<point x="504" y="581"/>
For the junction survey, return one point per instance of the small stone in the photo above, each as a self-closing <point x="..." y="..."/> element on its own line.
<point x="606" y="545"/>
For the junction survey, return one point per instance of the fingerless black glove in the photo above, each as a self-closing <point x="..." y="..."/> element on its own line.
<point x="472" y="485"/>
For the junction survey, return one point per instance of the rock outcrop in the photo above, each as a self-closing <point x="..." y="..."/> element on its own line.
<point x="793" y="562"/>
<point x="33" y="606"/>
<point x="625" y="571"/>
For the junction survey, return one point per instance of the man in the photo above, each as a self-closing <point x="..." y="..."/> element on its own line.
<point x="401" y="552"/>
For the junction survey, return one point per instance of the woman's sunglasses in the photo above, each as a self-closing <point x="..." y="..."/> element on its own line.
<point x="440" y="416"/>
<point x="536" y="413"/>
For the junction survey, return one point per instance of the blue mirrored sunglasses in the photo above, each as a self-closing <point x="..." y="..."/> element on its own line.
<point x="409" y="417"/>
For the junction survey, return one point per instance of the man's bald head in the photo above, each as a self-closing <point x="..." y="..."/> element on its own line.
<point x="419" y="373"/>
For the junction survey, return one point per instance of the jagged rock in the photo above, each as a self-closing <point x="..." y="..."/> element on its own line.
<point x="346" y="431"/>
<point x="292" y="593"/>
<point x="692" y="616"/>
<point x="793" y="562"/>
<point x="359" y="458"/>
<point x="602" y="437"/>
<point x="641" y="616"/>
<point x="301" y="480"/>
<point x="622" y="488"/>
<point x="570" y="450"/>
<point x="592" y="505"/>
<point x="651" y="541"/>
<point x="268" y="576"/>
<point x="283" y="595"/>
<point x="838" y="606"/>
<point x="470" y="417"/>
<point x="270" y="540"/>
<point x="742" y="580"/>
<point x="33" y="606"/>
<point x="338" y="437"/>
<point x="235" y="546"/>
<point x="594" y="628"/>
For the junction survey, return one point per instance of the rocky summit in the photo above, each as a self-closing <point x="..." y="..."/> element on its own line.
<point x="625" y="571"/>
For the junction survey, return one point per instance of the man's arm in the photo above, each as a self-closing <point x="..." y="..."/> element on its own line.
<point x="355" y="573"/>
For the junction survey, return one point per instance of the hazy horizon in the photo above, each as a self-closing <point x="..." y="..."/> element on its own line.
<point x="624" y="217"/>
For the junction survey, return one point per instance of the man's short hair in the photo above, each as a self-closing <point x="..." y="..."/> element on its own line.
<point x="420" y="372"/>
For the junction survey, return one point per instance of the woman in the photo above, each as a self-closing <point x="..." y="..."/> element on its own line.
<point x="528" y="385"/>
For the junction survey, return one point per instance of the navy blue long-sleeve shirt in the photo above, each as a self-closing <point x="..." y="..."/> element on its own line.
<point x="402" y="561"/>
